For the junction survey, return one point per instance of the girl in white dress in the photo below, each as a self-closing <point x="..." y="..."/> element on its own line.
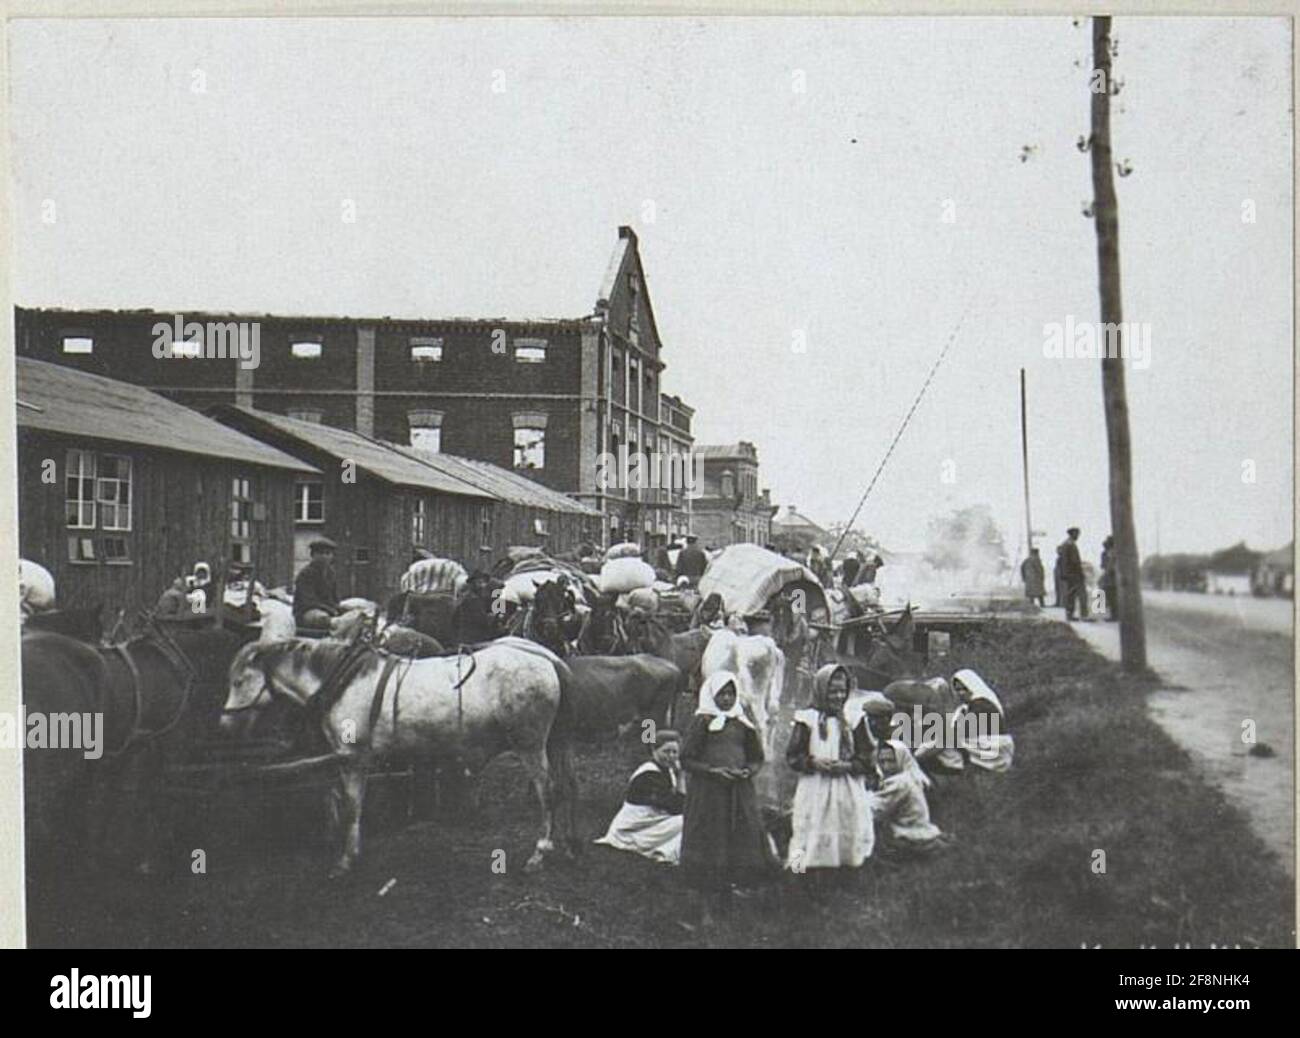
<point x="835" y="760"/>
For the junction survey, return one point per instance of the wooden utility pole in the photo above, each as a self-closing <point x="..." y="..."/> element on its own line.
<point x="1132" y="631"/>
<point x="1024" y="457"/>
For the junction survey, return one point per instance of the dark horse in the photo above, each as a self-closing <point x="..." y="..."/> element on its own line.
<point x="880" y="651"/>
<point x="157" y="694"/>
<point x="86" y="624"/>
<point x="551" y="619"/>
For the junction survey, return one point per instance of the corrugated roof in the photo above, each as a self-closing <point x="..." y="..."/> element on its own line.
<point x="500" y="482"/>
<point x="375" y="457"/>
<point x="60" y="399"/>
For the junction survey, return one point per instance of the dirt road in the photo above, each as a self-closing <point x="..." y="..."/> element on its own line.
<point x="1227" y="662"/>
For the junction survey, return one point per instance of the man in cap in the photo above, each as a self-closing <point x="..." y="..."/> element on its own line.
<point x="315" y="591"/>
<point x="691" y="560"/>
<point x="1072" y="575"/>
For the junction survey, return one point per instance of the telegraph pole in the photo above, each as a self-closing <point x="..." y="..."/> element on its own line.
<point x="1024" y="457"/>
<point x="1132" y="632"/>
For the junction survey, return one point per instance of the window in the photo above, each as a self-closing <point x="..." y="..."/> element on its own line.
<point x="363" y="556"/>
<point x="530" y="440"/>
<point x="418" y="521"/>
<point x="425" y="430"/>
<point x="78" y="344"/>
<point x="309" y="498"/>
<point x="485" y="524"/>
<point x="530" y="351"/>
<point x="79" y="479"/>
<point x="305" y="349"/>
<point x="116" y="551"/>
<point x="539" y="527"/>
<point x="113" y="492"/>
<point x="633" y="384"/>
<point x="313" y="417"/>
<point x="530" y="448"/>
<point x="241" y="520"/>
<point x="184" y="347"/>
<point x="81" y="549"/>
<point x="425" y="350"/>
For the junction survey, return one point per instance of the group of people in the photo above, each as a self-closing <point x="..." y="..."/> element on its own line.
<point x="1071" y="583"/>
<point x="694" y="803"/>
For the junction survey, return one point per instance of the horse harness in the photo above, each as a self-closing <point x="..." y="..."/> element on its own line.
<point x="175" y="658"/>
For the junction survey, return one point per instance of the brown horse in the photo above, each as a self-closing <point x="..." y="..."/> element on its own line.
<point x="610" y="691"/>
<point x="154" y="695"/>
<point x="684" y="650"/>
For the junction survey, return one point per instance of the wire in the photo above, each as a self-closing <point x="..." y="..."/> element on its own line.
<point x="952" y="337"/>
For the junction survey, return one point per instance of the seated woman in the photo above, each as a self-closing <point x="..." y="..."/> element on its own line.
<point x="834" y="759"/>
<point x="979" y="724"/>
<point x="900" y="801"/>
<point x="650" y="821"/>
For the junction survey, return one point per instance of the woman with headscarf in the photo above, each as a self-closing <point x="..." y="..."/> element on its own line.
<point x="834" y="758"/>
<point x="723" y="840"/>
<point x="900" y="801"/>
<point x="650" y="821"/>
<point x="979" y="724"/>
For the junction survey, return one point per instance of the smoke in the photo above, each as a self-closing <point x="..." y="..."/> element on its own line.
<point x="964" y="565"/>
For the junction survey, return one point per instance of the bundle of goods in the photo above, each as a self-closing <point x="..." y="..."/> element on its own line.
<point x="625" y="574"/>
<point x="626" y="550"/>
<point x="435" y="576"/>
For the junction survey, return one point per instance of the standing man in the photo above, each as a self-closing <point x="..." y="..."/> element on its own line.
<point x="1076" y="592"/>
<point x="691" y="560"/>
<point x="1031" y="572"/>
<point x="1107" y="579"/>
<point x="315" y="592"/>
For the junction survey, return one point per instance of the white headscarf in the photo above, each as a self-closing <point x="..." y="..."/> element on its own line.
<point x="977" y="688"/>
<point x="708" y="706"/>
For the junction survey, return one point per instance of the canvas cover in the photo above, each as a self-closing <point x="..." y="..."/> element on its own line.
<point x="746" y="576"/>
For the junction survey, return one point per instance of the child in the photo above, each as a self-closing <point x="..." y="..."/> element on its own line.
<point x="650" y="820"/>
<point x="723" y="840"/>
<point x="900" y="800"/>
<point x="832" y="813"/>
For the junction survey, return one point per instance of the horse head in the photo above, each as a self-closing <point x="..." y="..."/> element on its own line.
<point x="553" y="610"/>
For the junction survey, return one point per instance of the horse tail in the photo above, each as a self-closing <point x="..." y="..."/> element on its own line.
<point x="560" y="759"/>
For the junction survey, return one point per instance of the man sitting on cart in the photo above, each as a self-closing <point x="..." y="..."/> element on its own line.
<point x="315" y="590"/>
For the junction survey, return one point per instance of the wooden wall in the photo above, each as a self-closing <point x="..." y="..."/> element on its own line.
<point x="180" y="515"/>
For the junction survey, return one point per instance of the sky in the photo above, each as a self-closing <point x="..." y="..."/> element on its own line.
<point x="821" y="205"/>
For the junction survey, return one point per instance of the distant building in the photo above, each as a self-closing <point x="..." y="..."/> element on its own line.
<point x="676" y="441"/>
<point x="1228" y="572"/>
<point x="791" y="529"/>
<point x="1275" y="573"/>
<point x="729" y="507"/>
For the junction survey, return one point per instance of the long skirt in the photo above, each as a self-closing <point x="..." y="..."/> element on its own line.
<point x="723" y="840"/>
<point x="647" y="831"/>
<point x="832" y="823"/>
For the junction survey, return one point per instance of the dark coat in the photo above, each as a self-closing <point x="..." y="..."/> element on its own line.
<point x="692" y="562"/>
<point x="315" y="588"/>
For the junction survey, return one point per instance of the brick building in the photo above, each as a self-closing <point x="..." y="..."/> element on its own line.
<point x="729" y="508"/>
<point x="543" y="397"/>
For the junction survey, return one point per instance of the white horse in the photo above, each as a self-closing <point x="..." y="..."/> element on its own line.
<point x="760" y="667"/>
<point x="508" y="697"/>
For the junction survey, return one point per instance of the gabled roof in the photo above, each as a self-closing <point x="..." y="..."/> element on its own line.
<point x="58" y="399"/>
<point x="373" y="457"/>
<point x="1282" y="558"/>
<point x="502" y="483"/>
<point x="791" y="519"/>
